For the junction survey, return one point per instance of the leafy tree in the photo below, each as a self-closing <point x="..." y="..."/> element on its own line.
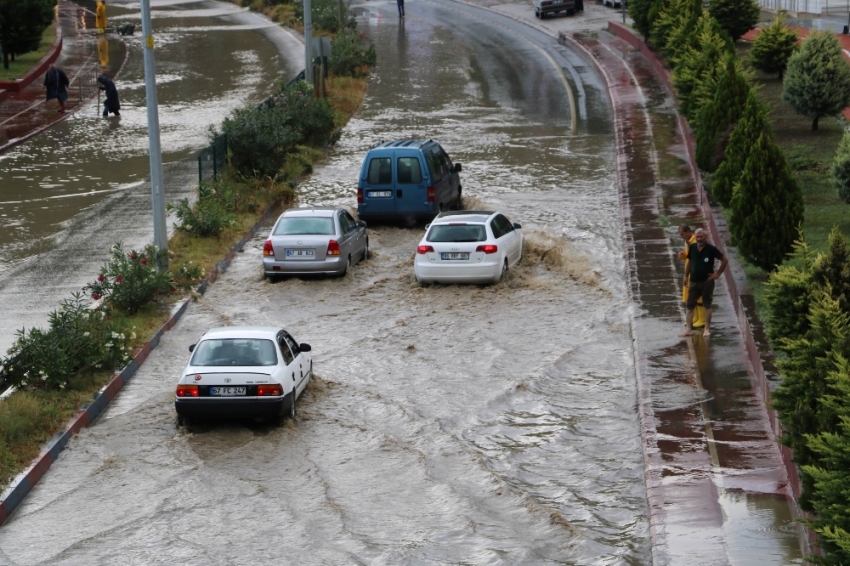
<point x="817" y="82"/>
<point x="724" y="109"/>
<point x="788" y="297"/>
<point x="753" y="122"/>
<point x="737" y="17"/>
<point x="841" y="168"/>
<point x="774" y="46"/>
<point x="830" y="476"/>
<point x="805" y="378"/>
<point x="697" y="67"/>
<point x="21" y="24"/>
<point x="832" y="270"/>
<point x="639" y="11"/>
<point x="767" y="206"/>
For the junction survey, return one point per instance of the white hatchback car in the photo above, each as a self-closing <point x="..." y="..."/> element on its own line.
<point x="243" y="372"/>
<point x="468" y="246"/>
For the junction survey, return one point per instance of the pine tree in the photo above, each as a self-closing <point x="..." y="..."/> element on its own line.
<point x="662" y="19"/>
<point x="805" y="378"/>
<point x="766" y="205"/>
<point x="817" y="82"/>
<point x="752" y="123"/>
<point x="737" y="17"/>
<point x="788" y="296"/>
<point x="833" y="269"/>
<point x="829" y="476"/>
<point x="698" y="67"/>
<point x="639" y="11"/>
<point x="725" y="109"/>
<point x="841" y="168"/>
<point x="683" y="31"/>
<point x="773" y="46"/>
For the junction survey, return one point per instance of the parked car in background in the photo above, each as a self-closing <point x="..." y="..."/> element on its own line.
<point x="314" y="240"/>
<point x="244" y="372"/>
<point x="543" y="8"/>
<point x="408" y="181"/>
<point x="470" y="246"/>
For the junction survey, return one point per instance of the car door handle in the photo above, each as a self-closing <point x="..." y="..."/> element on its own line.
<point x="293" y="376"/>
<point x="398" y="193"/>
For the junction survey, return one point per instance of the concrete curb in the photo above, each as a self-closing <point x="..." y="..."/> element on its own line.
<point x="8" y="87"/>
<point x="88" y="413"/>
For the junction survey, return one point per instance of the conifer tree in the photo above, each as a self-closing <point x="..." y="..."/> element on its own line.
<point x="841" y="168"/>
<point x="805" y="378"/>
<point x="752" y="123"/>
<point x="788" y="296"/>
<point x="697" y="67"/>
<point x="639" y="11"/>
<point x="817" y="82"/>
<point x="830" y="475"/>
<point x="766" y="205"/>
<point x="773" y="46"/>
<point x="737" y="17"/>
<point x="662" y="20"/>
<point x="724" y="109"/>
<point x="686" y="14"/>
<point x="833" y="269"/>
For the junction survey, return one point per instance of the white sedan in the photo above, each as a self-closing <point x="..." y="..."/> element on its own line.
<point x="243" y="372"/>
<point x="468" y="246"/>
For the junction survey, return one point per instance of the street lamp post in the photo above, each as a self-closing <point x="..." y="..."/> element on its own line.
<point x="308" y="42"/>
<point x="160" y="233"/>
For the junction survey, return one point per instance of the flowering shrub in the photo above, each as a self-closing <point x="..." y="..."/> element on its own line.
<point x="130" y="279"/>
<point x="78" y="339"/>
<point x="349" y="58"/>
<point x="211" y="214"/>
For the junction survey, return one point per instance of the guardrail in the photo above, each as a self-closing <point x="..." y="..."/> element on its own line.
<point x="822" y="7"/>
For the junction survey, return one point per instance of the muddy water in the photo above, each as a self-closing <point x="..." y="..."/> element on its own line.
<point x="67" y="195"/>
<point x="445" y="425"/>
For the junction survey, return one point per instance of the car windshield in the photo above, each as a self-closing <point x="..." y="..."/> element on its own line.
<point x="457" y="233"/>
<point x="235" y="352"/>
<point x="305" y="226"/>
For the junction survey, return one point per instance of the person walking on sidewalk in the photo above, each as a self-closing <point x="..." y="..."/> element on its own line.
<point x="111" y="103"/>
<point x="400" y="8"/>
<point x="700" y="277"/>
<point x="100" y="16"/>
<point x="687" y="235"/>
<point x="56" y="82"/>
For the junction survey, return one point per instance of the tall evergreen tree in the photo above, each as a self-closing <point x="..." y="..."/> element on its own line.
<point x="737" y="17"/>
<point x="725" y="108"/>
<point x="686" y="14"/>
<point x="841" y="168"/>
<point x="662" y="20"/>
<point x="774" y="46"/>
<point x="788" y="296"/>
<point x="767" y="206"/>
<point x="817" y="82"/>
<point x="832" y="269"/>
<point x="639" y="11"/>
<point x="753" y="123"/>
<point x="805" y="378"/>
<point x="698" y="67"/>
<point x="830" y="475"/>
<point x="21" y="24"/>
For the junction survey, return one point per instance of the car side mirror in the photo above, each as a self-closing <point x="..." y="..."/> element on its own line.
<point x="192" y="347"/>
<point x="362" y="224"/>
<point x="305" y="347"/>
<point x="427" y="226"/>
<point x="517" y="225"/>
<point x="458" y="168"/>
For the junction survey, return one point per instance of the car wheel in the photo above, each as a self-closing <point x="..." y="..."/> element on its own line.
<point x="345" y="267"/>
<point x="504" y="272"/>
<point x="366" y="250"/>
<point x="292" y="407"/>
<point x="184" y="421"/>
<point x="459" y="203"/>
<point x="536" y="13"/>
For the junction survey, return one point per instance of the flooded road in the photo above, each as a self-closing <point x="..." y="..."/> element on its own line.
<point x="70" y="193"/>
<point x="445" y="425"/>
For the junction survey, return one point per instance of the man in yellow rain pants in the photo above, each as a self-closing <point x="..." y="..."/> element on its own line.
<point x="100" y="16"/>
<point x="687" y="235"/>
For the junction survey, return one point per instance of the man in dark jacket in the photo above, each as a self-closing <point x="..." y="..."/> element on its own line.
<point x="56" y="82"/>
<point x="700" y="277"/>
<point x="111" y="104"/>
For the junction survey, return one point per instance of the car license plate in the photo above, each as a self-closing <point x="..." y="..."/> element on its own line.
<point x="379" y="194"/>
<point x="454" y="255"/>
<point x="227" y="391"/>
<point x="300" y="253"/>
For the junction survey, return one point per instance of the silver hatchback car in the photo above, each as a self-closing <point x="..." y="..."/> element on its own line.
<point x="314" y="240"/>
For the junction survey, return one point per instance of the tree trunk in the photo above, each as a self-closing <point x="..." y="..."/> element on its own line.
<point x="781" y="74"/>
<point x="6" y="60"/>
<point x="815" y="125"/>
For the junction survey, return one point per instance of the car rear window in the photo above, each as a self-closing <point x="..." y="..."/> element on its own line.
<point x="409" y="171"/>
<point x="380" y="171"/>
<point x="305" y="226"/>
<point x="457" y="233"/>
<point x="235" y="352"/>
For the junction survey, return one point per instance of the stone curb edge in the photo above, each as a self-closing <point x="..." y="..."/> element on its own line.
<point x="8" y="87"/>
<point x="88" y="413"/>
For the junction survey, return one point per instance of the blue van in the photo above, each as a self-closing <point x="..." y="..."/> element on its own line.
<point x="407" y="180"/>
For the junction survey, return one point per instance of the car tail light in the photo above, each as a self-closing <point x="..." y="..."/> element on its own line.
<point x="487" y="249"/>
<point x="431" y="194"/>
<point x="359" y="195"/>
<point x="188" y="391"/>
<point x="424" y="249"/>
<point x="274" y="390"/>
<point x="268" y="249"/>
<point x="333" y="248"/>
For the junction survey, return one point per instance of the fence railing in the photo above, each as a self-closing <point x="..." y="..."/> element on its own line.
<point x="86" y="81"/>
<point x="822" y="7"/>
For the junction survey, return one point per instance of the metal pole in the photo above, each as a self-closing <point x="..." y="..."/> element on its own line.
<point x="624" y="12"/>
<point x="160" y="233"/>
<point x="308" y="42"/>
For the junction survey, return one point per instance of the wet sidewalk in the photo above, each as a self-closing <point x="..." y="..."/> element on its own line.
<point x="84" y="56"/>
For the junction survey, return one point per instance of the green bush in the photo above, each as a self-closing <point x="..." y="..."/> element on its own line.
<point x="788" y="296"/>
<point x="312" y="118"/>
<point x="736" y="17"/>
<point x="721" y="112"/>
<point x="774" y="46"/>
<point x="349" y="58"/>
<point x="130" y="280"/>
<point x="841" y="168"/>
<point x="753" y="122"/>
<point x="326" y="15"/>
<point x="258" y="140"/>
<point x="209" y="216"/>
<point x="78" y="339"/>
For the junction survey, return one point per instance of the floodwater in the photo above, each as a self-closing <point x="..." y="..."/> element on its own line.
<point x="445" y="425"/>
<point x="70" y="193"/>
